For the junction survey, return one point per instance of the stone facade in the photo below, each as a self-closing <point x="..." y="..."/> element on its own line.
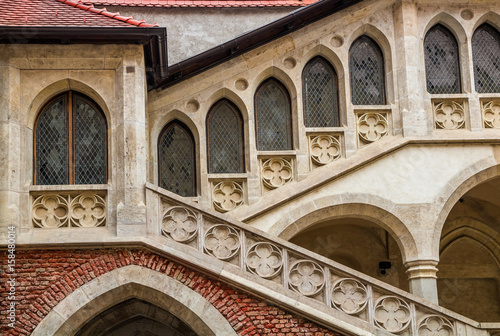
<point x="414" y="182"/>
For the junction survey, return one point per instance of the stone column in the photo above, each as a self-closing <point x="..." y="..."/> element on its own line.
<point x="422" y="278"/>
<point x="10" y="144"/>
<point x="129" y="157"/>
<point x="410" y="66"/>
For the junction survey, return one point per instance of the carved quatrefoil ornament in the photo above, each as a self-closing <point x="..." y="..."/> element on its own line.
<point x="50" y="211"/>
<point x="227" y="196"/>
<point x="306" y="277"/>
<point x="222" y="242"/>
<point x="372" y="126"/>
<point x="435" y="325"/>
<point x="265" y="260"/>
<point x="180" y="224"/>
<point x="88" y="210"/>
<point x="324" y="149"/>
<point x="392" y="314"/>
<point x="449" y="115"/>
<point x="491" y="114"/>
<point x="276" y="173"/>
<point x="349" y="296"/>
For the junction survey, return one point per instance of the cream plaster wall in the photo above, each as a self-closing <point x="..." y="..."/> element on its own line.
<point x="191" y="31"/>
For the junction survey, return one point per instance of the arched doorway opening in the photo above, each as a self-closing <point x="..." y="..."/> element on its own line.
<point x="135" y="317"/>
<point x="469" y="268"/>
<point x="117" y="293"/>
<point x="359" y="244"/>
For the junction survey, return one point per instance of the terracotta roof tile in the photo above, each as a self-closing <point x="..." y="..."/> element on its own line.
<point x="56" y="13"/>
<point x="203" y="3"/>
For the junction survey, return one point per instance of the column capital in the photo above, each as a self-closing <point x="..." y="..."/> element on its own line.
<point x="421" y="269"/>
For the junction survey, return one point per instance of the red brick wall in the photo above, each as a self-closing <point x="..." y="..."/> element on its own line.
<point x="45" y="277"/>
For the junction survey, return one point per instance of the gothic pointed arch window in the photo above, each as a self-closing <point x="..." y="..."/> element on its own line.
<point x="225" y="138"/>
<point x="320" y="86"/>
<point x="441" y="61"/>
<point x="273" y="117"/>
<point x="486" y="58"/>
<point x="71" y="142"/>
<point x="366" y="64"/>
<point x="176" y="159"/>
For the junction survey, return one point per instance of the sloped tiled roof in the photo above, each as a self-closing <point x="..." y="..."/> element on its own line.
<point x="203" y="3"/>
<point x="57" y="13"/>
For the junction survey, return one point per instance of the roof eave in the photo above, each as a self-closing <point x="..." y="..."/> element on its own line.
<point x="154" y="40"/>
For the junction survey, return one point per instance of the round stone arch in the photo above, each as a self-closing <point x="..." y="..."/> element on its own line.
<point x="371" y="208"/>
<point x="482" y="171"/>
<point x="49" y="92"/>
<point x="62" y="86"/>
<point x="132" y="281"/>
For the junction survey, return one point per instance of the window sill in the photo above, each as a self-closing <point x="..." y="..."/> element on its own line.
<point x="372" y="107"/>
<point x="321" y="130"/>
<point x="270" y="154"/>
<point x="488" y="95"/>
<point x="66" y="187"/>
<point x="449" y="96"/>
<point x="227" y="176"/>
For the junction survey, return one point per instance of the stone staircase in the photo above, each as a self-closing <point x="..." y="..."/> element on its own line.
<point x="294" y="278"/>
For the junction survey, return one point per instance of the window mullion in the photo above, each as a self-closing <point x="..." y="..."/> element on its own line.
<point x="71" y="144"/>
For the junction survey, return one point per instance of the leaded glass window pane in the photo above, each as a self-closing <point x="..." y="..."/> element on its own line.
<point x="90" y="143"/>
<point x="320" y="94"/>
<point x="441" y="61"/>
<point x="272" y="111"/>
<point x="51" y="144"/>
<point x="486" y="55"/>
<point x="225" y="139"/>
<point x="177" y="162"/>
<point x="70" y="141"/>
<point x="367" y="72"/>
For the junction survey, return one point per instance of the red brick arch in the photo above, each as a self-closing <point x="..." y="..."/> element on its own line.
<point x="45" y="278"/>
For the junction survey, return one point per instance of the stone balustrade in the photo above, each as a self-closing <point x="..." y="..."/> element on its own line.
<point x="294" y="271"/>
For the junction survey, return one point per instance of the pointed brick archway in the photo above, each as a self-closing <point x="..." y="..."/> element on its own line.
<point x="132" y="281"/>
